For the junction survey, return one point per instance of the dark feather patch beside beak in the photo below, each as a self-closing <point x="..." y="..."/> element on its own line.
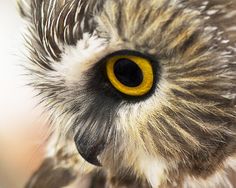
<point x="94" y="129"/>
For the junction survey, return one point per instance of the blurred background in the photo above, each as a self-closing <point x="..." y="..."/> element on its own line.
<point x="21" y="128"/>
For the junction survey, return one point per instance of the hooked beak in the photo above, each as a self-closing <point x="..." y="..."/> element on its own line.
<point x="89" y="147"/>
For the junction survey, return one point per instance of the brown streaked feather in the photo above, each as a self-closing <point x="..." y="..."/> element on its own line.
<point x="222" y="14"/>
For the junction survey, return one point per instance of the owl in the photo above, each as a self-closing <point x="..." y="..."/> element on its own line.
<point x="138" y="93"/>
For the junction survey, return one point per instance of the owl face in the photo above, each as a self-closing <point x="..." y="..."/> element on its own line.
<point x="143" y="87"/>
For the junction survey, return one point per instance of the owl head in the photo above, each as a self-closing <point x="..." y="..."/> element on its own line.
<point x="145" y="88"/>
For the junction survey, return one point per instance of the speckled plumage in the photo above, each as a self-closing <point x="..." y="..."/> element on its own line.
<point x="183" y="134"/>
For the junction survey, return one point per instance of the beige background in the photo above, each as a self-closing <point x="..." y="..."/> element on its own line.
<point x="21" y="132"/>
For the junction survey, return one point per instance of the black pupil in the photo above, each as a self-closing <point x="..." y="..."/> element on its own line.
<point x="128" y="73"/>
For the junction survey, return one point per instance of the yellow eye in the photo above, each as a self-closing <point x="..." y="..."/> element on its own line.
<point x="131" y="75"/>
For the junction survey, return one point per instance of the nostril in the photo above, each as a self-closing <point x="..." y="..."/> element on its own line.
<point x="128" y="72"/>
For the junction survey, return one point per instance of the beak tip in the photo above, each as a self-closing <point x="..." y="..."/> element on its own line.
<point x="90" y="157"/>
<point x="89" y="152"/>
<point x="95" y="162"/>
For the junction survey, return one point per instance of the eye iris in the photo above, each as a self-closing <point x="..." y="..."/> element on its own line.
<point x="131" y="75"/>
<point x="128" y="72"/>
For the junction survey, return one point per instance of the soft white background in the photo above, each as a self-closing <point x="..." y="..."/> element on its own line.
<point x="20" y="125"/>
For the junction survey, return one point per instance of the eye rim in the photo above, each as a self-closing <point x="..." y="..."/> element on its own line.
<point x="145" y="66"/>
